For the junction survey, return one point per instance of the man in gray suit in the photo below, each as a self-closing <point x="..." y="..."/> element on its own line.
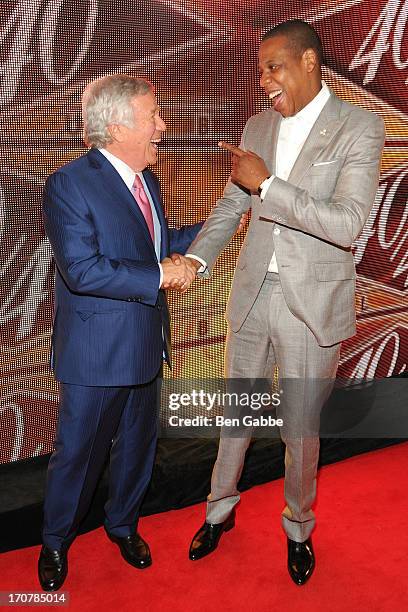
<point x="308" y="168"/>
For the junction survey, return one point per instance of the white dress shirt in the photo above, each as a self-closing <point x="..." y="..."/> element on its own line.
<point x="292" y="136"/>
<point x="128" y="176"/>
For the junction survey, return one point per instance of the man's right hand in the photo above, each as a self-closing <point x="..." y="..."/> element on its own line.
<point x="178" y="272"/>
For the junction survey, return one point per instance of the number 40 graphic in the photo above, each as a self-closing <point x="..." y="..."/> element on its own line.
<point x="18" y="33"/>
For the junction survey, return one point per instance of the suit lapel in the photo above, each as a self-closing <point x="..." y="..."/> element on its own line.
<point x="116" y="187"/>
<point x="325" y="128"/>
<point x="272" y="142"/>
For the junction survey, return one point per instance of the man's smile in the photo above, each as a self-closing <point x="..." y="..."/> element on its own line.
<point x="275" y="93"/>
<point x="155" y="142"/>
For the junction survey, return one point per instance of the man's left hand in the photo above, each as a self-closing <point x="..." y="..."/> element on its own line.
<point x="242" y="223"/>
<point x="248" y="169"/>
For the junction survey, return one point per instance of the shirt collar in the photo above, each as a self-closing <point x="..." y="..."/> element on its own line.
<point x="126" y="173"/>
<point x="311" y="111"/>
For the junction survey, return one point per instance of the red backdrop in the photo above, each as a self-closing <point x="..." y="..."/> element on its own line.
<point x="202" y="58"/>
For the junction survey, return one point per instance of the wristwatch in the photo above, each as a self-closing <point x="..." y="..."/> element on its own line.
<point x="261" y="186"/>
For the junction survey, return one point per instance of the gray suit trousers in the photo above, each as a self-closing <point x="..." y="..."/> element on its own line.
<point x="272" y="336"/>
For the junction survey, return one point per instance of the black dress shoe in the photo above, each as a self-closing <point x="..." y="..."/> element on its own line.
<point x="52" y="569"/>
<point x="134" y="550"/>
<point x="207" y="537"/>
<point x="301" y="560"/>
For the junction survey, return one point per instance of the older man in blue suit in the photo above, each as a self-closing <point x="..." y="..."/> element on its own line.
<point x="111" y="242"/>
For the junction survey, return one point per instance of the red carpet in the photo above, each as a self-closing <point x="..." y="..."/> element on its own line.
<point x="361" y="545"/>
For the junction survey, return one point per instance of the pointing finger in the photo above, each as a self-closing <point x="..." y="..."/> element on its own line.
<point x="231" y="148"/>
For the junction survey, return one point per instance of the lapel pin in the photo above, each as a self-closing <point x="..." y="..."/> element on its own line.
<point x="323" y="132"/>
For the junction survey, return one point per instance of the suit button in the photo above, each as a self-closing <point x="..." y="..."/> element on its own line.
<point x="276" y="231"/>
<point x="159" y="307"/>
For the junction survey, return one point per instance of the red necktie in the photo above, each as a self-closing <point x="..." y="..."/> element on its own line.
<point x="144" y="204"/>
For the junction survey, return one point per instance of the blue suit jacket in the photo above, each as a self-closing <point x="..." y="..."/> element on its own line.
<point x="109" y="312"/>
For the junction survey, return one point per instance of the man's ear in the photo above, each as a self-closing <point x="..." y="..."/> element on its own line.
<point x="310" y="59"/>
<point x="116" y="132"/>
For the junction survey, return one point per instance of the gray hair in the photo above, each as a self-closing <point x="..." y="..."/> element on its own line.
<point x="106" y="101"/>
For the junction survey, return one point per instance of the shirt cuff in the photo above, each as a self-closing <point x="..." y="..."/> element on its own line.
<point x="264" y="186"/>
<point x="161" y="274"/>
<point x="202" y="262"/>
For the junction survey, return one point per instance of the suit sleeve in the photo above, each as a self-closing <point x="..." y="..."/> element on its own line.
<point x="340" y="219"/>
<point x="180" y="239"/>
<point x="222" y="222"/>
<point x="73" y="236"/>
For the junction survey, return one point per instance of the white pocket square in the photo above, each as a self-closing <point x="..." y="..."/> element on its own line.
<point x="325" y="163"/>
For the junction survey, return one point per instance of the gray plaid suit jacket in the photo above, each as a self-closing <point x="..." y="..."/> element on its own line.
<point x="320" y="210"/>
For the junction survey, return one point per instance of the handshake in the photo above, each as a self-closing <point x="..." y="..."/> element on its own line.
<point x="179" y="272"/>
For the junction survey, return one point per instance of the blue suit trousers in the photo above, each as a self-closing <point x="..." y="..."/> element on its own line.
<point x="93" y="422"/>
